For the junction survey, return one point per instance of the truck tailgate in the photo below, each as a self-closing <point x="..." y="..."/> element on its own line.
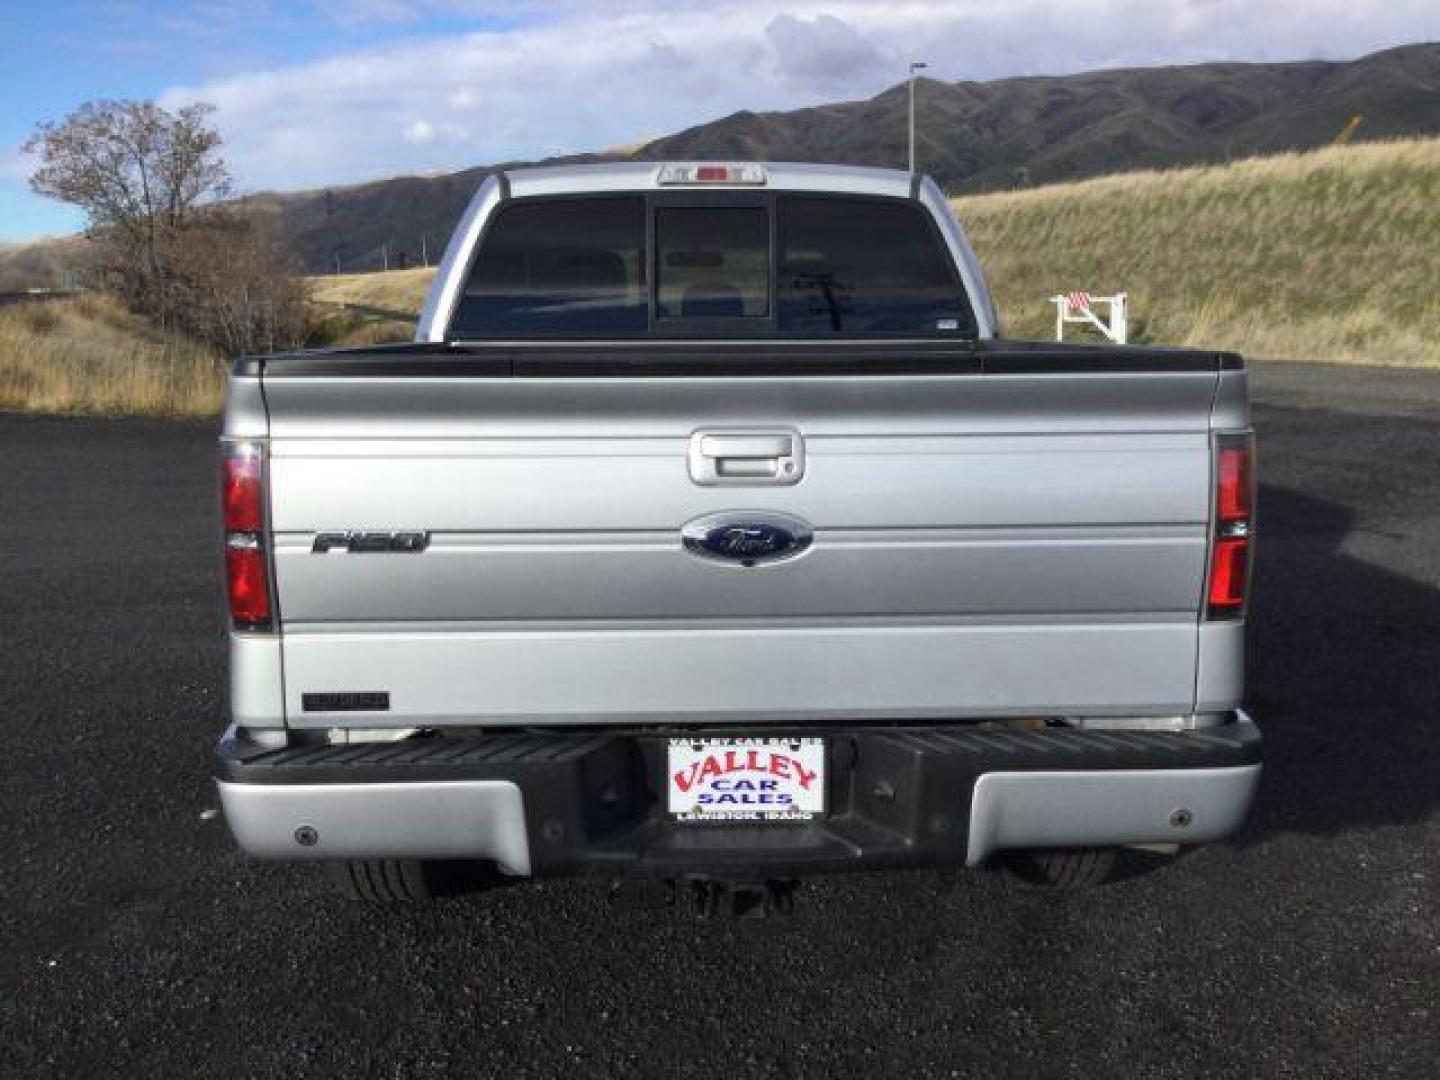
<point x="1019" y="540"/>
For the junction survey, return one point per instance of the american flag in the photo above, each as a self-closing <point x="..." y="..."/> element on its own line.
<point x="1079" y="301"/>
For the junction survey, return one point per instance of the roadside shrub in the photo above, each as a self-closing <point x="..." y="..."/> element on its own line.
<point x="232" y="284"/>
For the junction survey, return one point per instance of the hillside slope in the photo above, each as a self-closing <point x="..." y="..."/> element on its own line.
<point x="978" y="136"/>
<point x="89" y="355"/>
<point x="1327" y="255"/>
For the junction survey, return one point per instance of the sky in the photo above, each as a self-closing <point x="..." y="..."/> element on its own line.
<point x="314" y="93"/>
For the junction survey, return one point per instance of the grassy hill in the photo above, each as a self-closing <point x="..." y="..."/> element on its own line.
<point x="89" y="355"/>
<point x="39" y="264"/>
<point x="362" y="309"/>
<point x="1328" y="255"/>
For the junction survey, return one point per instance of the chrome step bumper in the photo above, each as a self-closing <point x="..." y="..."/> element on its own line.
<point x="899" y="796"/>
<point x="1103" y="809"/>
<point x="442" y="819"/>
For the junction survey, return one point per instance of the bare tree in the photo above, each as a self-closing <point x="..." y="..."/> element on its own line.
<point x="138" y="172"/>
<point x="151" y="184"/>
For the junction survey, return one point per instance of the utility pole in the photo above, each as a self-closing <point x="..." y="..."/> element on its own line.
<point x="385" y="254"/>
<point x="424" y="254"/>
<point x="917" y="65"/>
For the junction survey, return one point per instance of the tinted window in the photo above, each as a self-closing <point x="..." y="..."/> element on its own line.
<point x="859" y="266"/>
<point x="712" y="262"/>
<point x="573" y="266"/>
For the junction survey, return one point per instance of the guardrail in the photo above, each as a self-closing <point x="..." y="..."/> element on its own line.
<point x="36" y="296"/>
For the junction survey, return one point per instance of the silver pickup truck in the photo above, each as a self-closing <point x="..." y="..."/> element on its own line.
<point x="709" y="532"/>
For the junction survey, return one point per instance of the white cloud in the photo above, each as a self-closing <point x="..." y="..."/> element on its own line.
<point x="572" y="76"/>
<point x="824" y="52"/>
<point x="421" y="131"/>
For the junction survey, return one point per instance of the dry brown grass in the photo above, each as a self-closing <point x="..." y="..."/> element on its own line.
<point x="1329" y="255"/>
<point x="89" y="355"/>
<point x="365" y="309"/>
<point x="401" y="291"/>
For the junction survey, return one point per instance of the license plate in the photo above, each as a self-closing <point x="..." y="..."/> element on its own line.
<point x="746" y="779"/>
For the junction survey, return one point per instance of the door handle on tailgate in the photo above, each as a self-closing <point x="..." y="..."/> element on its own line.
<point x="746" y="456"/>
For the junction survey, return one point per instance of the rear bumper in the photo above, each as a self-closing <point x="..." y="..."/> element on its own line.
<point x="899" y="797"/>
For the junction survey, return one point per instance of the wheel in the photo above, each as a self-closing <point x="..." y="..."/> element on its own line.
<point x="383" y="881"/>
<point x="1061" y="868"/>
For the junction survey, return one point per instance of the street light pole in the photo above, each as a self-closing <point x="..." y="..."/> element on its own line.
<point x="918" y="65"/>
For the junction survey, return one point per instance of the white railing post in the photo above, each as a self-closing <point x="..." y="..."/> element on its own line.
<point x="1079" y="307"/>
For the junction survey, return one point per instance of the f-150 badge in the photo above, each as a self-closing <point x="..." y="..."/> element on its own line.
<point x="361" y="542"/>
<point x="747" y="537"/>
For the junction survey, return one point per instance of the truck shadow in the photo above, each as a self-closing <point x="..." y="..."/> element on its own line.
<point x="1344" y="676"/>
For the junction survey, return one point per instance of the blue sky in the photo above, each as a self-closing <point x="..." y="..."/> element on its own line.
<point x="330" y="92"/>
<point x="56" y="54"/>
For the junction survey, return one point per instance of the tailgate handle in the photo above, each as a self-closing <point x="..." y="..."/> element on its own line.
<point x="746" y="457"/>
<point x="745" y="446"/>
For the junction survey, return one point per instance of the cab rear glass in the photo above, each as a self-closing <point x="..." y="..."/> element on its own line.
<point x="774" y="265"/>
<point x="712" y="262"/>
<point x="559" y="267"/>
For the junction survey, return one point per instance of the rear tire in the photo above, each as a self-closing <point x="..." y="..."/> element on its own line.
<point x="1061" y="868"/>
<point x="383" y="881"/>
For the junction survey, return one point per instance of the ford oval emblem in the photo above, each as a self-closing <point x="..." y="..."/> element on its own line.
<point x="747" y="537"/>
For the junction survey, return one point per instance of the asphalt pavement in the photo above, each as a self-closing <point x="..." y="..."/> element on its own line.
<point x="135" y="941"/>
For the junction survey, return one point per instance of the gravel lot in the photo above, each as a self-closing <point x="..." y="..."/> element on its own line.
<point x="135" y="941"/>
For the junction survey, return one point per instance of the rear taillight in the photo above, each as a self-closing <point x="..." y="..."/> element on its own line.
<point x="247" y="581"/>
<point x="242" y="487"/>
<point x="1231" y="547"/>
<point x="247" y="563"/>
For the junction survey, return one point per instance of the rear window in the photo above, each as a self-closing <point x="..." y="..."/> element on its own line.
<point x="713" y="262"/>
<point x="656" y="265"/>
<point x="860" y="266"/>
<point x="561" y="266"/>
